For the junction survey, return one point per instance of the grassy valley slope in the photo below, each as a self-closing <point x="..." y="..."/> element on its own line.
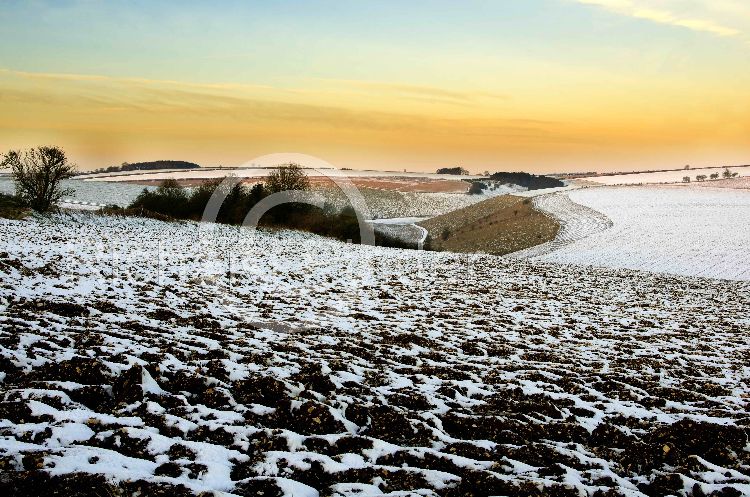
<point x="499" y="225"/>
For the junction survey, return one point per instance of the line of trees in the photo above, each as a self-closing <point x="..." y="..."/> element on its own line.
<point x="170" y="200"/>
<point x="726" y="174"/>
<point x="38" y="174"/>
<point x="148" y="166"/>
<point x="458" y="171"/>
<point x="526" y="180"/>
<point x="174" y="201"/>
<point x="529" y="181"/>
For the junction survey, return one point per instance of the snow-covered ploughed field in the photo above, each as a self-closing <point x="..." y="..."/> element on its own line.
<point x="137" y="361"/>
<point x="687" y="231"/>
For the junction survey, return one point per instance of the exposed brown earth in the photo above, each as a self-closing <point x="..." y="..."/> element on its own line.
<point x="185" y="182"/>
<point x="502" y="377"/>
<point x="498" y="226"/>
<point x="435" y="378"/>
<point x="424" y="185"/>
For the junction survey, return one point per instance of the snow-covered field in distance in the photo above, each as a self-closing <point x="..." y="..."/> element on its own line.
<point x="260" y="172"/>
<point x="387" y="204"/>
<point x="381" y="203"/>
<point x="90" y="192"/>
<point x="688" y="231"/>
<point x="675" y="176"/>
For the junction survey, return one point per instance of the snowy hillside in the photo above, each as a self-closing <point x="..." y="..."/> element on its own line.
<point x="299" y="366"/>
<point x="260" y="172"/>
<point x="94" y="192"/>
<point x="687" y="231"/>
<point x="386" y="204"/>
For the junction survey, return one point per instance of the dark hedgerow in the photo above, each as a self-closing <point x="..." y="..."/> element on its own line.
<point x="172" y="201"/>
<point x="477" y="187"/>
<point x="530" y="181"/>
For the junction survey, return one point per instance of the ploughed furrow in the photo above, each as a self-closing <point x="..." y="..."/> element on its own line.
<point x="134" y="361"/>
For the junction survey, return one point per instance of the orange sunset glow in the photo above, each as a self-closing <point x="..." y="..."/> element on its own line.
<point x="490" y="87"/>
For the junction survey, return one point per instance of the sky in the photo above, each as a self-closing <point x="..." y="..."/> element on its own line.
<point x="535" y="85"/>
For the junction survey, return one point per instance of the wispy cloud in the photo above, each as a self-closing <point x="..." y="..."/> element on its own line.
<point x="416" y="92"/>
<point x="173" y="103"/>
<point x="133" y="81"/>
<point x="703" y="16"/>
<point x="427" y="93"/>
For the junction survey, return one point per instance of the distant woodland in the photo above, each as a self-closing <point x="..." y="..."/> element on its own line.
<point x="459" y="171"/>
<point x="148" y="166"/>
<point x="529" y="181"/>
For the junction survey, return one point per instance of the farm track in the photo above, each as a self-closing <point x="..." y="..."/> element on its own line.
<point x="576" y="223"/>
<point x="408" y="233"/>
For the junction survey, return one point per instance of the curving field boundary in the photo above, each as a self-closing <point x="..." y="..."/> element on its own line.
<point x="576" y="222"/>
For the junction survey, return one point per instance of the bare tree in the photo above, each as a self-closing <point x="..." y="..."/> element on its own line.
<point x="38" y="174"/>
<point x="287" y="177"/>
